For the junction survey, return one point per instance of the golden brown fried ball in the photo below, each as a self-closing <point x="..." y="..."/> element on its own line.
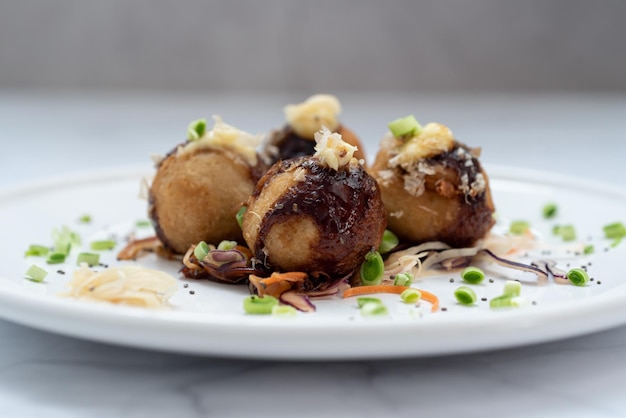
<point x="305" y="216"/>
<point x="444" y="197"/>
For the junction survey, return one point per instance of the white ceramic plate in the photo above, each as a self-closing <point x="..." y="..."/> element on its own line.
<point x="211" y="321"/>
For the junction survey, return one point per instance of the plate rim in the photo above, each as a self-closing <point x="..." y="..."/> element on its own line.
<point x="607" y="306"/>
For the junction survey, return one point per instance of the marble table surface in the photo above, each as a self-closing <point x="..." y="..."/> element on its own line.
<point x="46" y="375"/>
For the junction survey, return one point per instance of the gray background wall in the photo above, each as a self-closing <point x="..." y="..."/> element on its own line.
<point x="398" y="45"/>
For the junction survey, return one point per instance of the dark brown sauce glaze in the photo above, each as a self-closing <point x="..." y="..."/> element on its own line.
<point x="475" y="215"/>
<point x="289" y="145"/>
<point x="345" y="205"/>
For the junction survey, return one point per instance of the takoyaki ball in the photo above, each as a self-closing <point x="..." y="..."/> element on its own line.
<point x="319" y="213"/>
<point x="433" y="187"/>
<point x="296" y="138"/>
<point x="199" y="187"/>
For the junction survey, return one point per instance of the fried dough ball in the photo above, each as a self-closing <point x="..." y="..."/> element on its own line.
<point x="199" y="187"/>
<point x="433" y="187"/>
<point x="315" y="214"/>
<point x="296" y="138"/>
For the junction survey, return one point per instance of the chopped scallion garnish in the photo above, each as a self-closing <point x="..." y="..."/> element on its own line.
<point x="389" y="242"/>
<point x="506" y="301"/>
<point x="472" y="275"/>
<point x="589" y="249"/>
<point x="102" y="245"/>
<point x="550" y="210"/>
<point x="36" y="251"/>
<point x="64" y="239"/>
<point x="226" y="245"/>
<point x="56" y="258"/>
<point x="36" y="273"/>
<point x="196" y="129"/>
<point x="406" y="126"/>
<point x="403" y="279"/>
<point x="201" y="250"/>
<point x="465" y="295"/>
<point x="284" y="310"/>
<point x="372" y="269"/>
<point x="90" y="259"/>
<point x="142" y="223"/>
<point x="567" y="232"/>
<point x="363" y="300"/>
<point x="256" y="305"/>
<point x="512" y="288"/>
<point x="519" y="227"/>
<point x="240" y="214"/>
<point x="410" y="296"/>
<point x="578" y="277"/>
<point x="85" y="219"/>
<point x="615" y="230"/>
<point x="374" y="309"/>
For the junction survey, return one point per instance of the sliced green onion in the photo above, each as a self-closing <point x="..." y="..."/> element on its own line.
<point x="143" y="223"/>
<point x="506" y="301"/>
<point x="255" y="305"/>
<point x="389" y="242"/>
<point x="36" y="273"/>
<point x="519" y="227"/>
<point x="363" y="300"/>
<point x="550" y="210"/>
<point x="201" y="250"/>
<point x="64" y="239"/>
<point x="512" y="288"/>
<point x="410" y="296"/>
<point x="589" y="249"/>
<point x="284" y="310"/>
<point x="405" y="126"/>
<point x="226" y="245"/>
<point x="240" y="214"/>
<point x="465" y="295"/>
<point x="616" y="242"/>
<point x="36" y="251"/>
<point x="556" y="230"/>
<point x="56" y="258"/>
<point x="578" y="277"/>
<point x="102" y="245"/>
<point x="615" y="230"/>
<point x="90" y="259"/>
<point x="84" y="219"/>
<point x="472" y="275"/>
<point x="196" y="129"/>
<point x="372" y="269"/>
<point x="374" y="309"/>
<point x="567" y="232"/>
<point x="403" y="279"/>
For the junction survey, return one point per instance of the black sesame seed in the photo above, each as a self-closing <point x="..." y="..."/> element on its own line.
<point x="186" y="285"/>
<point x="444" y="309"/>
<point x="534" y="302"/>
<point x="192" y="292"/>
<point x="599" y="282"/>
<point x="483" y="299"/>
<point x="451" y="280"/>
<point x="490" y="280"/>
<point x="591" y="279"/>
<point x="60" y="272"/>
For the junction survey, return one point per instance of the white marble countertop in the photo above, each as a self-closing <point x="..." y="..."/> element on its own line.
<point x="42" y="374"/>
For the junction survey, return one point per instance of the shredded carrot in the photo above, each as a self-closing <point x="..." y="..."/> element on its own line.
<point x="367" y="290"/>
<point x="290" y="276"/>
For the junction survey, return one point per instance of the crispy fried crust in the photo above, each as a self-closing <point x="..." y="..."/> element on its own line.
<point x="195" y="197"/>
<point x="441" y="210"/>
<point x="304" y="217"/>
